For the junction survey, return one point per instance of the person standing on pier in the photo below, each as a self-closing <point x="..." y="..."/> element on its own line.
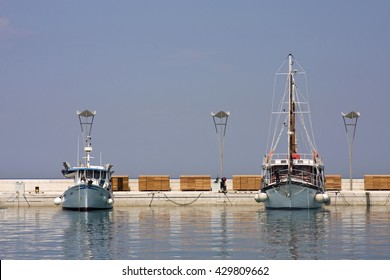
<point x="223" y="185"/>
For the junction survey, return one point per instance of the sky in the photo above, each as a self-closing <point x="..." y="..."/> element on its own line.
<point x="154" y="71"/>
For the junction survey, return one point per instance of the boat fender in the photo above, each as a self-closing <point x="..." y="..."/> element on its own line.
<point x="261" y="197"/>
<point x="58" y="200"/>
<point x="110" y="201"/>
<point x="319" y="197"/>
<point x="326" y="199"/>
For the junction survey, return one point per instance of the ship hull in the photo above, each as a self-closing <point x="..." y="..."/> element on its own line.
<point x="291" y="195"/>
<point x="86" y="197"/>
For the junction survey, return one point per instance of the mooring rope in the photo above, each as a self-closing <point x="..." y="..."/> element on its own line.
<point x="387" y="200"/>
<point x="12" y="196"/>
<point x="228" y="198"/>
<point x="151" y="199"/>
<point x="342" y="196"/>
<point x="17" y="197"/>
<point x="177" y="203"/>
<point x="182" y="204"/>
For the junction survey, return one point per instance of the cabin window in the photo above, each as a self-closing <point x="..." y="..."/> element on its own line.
<point x="303" y="172"/>
<point x="96" y="174"/>
<point x="280" y="169"/>
<point x="278" y="173"/>
<point x="89" y="174"/>
<point x="103" y="175"/>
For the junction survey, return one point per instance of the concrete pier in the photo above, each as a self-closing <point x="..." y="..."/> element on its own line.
<point x="41" y="192"/>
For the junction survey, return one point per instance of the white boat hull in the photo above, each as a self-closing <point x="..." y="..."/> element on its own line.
<point x="87" y="197"/>
<point x="291" y="196"/>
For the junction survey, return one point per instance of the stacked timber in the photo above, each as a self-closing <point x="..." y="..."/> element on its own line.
<point x="333" y="182"/>
<point x="377" y="182"/>
<point x="120" y="183"/>
<point x="154" y="183"/>
<point x="195" y="183"/>
<point x="246" y="182"/>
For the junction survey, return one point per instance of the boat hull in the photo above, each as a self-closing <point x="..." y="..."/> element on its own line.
<point x="86" y="197"/>
<point x="291" y="195"/>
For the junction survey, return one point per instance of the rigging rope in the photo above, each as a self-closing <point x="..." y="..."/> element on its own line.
<point x="280" y="107"/>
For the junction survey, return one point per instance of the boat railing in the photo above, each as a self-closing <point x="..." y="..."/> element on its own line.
<point x="282" y="158"/>
<point x="295" y="174"/>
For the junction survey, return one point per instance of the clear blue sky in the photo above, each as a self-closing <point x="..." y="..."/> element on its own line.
<point x="155" y="70"/>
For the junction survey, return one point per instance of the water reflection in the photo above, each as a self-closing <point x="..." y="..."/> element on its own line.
<point x="29" y="233"/>
<point x="88" y="234"/>
<point x="359" y="233"/>
<point x="223" y="232"/>
<point x="293" y="234"/>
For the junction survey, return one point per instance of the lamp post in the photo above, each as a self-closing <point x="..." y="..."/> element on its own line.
<point x="220" y="122"/>
<point x="350" y="122"/>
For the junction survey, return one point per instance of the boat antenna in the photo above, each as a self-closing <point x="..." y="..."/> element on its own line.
<point x="86" y="120"/>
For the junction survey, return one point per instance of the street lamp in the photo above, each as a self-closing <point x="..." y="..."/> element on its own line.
<point x="350" y="122"/>
<point x="220" y="122"/>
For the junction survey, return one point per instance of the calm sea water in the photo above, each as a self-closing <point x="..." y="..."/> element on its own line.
<point x="127" y="233"/>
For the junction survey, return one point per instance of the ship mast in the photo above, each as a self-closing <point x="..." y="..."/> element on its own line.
<point x="292" y="146"/>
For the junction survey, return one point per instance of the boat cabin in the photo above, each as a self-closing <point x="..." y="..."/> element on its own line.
<point x="303" y="168"/>
<point x="90" y="175"/>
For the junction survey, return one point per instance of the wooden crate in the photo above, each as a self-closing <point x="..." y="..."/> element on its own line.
<point x="246" y="182"/>
<point x="154" y="183"/>
<point x="195" y="183"/>
<point x="120" y="183"/>
<point x="333" y="182"/>
<point x="377" y="182"/>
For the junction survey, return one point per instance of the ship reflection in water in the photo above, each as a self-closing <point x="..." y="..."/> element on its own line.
<point x="294" y="234"/>
<point x="230" y="232"/>
<point x="88" y="234"/>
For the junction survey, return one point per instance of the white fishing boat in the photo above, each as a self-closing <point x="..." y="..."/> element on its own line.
<point x="92" y="187"/>
<point x="292" y="177"/>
